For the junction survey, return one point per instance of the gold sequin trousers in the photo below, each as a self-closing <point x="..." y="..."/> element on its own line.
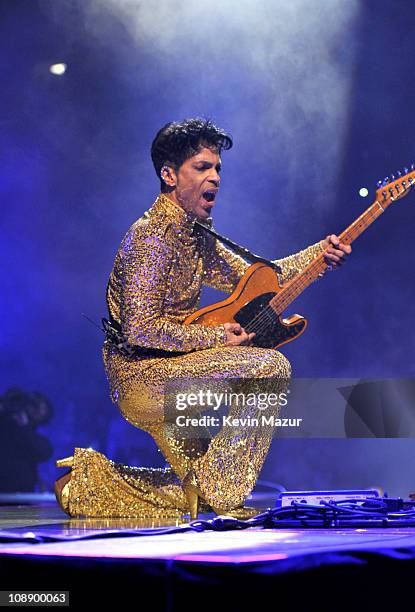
<point x="226" y="465"/>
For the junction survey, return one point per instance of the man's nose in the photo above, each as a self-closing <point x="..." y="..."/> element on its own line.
<point x="215" y="180"/>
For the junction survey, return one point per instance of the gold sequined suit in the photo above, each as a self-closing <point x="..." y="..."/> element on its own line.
<point x="156" y="282"/>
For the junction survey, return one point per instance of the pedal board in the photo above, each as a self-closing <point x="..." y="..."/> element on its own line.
<point x="288" y="498"/>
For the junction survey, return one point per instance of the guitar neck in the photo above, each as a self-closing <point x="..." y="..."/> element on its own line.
<point x="301" y="281"/>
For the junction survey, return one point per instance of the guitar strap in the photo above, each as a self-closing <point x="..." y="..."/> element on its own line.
<point x="240" y="250"/>
<point x="112" y="329"/>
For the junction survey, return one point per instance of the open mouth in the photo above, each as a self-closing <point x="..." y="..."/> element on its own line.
<point x="209" y="195"/>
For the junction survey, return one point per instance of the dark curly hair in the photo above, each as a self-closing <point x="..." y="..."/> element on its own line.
<point x="177" y="141"/>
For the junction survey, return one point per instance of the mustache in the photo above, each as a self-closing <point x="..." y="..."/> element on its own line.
<point x="186" y="195"/>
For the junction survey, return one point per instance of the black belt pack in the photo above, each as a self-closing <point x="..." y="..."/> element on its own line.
<point x="115" y="337"/>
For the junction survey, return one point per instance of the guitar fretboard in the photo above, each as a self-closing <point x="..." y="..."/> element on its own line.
<point x="302" y="280"/>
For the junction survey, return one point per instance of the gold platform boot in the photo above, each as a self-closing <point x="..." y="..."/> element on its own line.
<point x="194" y="496"/>
<point x="62" y="485"/>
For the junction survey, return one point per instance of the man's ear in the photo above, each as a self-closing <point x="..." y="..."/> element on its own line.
<point x="168" y="175"/>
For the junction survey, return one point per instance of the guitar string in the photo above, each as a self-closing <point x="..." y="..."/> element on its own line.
<point x="261" y="321"/>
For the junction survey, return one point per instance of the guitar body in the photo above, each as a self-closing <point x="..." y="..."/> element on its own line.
<point x="249" y="306"/>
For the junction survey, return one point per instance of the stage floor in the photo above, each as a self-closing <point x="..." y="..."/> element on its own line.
<point x="175" y="568"/>
<point x="115" y="538"/>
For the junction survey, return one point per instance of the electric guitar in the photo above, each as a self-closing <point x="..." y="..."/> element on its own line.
<point x="259" y="299"/>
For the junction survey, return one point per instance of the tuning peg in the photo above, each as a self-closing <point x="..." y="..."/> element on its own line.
<point x="412" y="166"/>
<point x="384" y="195"/>
<point x="405" y="170"/>
<point x="379" y="184"/>
<point x="398" y="173"/>
<point x="385" y="181"/>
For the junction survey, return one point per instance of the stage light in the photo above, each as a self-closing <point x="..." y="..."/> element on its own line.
<point x="57" y="69"/>
<point x="363" y="192"/>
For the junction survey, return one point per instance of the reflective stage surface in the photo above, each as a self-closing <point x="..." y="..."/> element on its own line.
<point x="43" y="529"/>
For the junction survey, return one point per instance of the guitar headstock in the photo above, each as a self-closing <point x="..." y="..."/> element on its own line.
<point x="396" y="186"/>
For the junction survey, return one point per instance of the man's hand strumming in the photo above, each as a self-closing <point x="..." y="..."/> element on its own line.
<point x="236" y="335"/>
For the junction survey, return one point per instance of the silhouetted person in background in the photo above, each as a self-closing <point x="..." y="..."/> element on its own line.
<point x="21" y="446"/>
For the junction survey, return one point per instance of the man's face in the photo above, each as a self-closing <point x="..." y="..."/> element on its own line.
<point x="197" y="183"/>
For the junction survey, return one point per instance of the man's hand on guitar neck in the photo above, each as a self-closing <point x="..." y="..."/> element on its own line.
<point x="335" y="251"/>
<point x="335" y="255"/>
<point x="236" y="335"/>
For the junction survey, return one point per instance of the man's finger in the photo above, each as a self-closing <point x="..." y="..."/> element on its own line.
<point x="337" y="252"/>
<point x="344" y="248"/>
<point x="333" y="258"/>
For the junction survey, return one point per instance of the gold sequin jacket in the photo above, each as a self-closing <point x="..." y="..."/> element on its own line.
<point x="158" y="273"/>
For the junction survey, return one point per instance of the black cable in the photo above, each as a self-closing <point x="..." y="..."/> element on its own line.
<point x="327" y="514"/>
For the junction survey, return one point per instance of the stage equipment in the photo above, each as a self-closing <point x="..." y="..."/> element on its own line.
<point x="289" y="498"/>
